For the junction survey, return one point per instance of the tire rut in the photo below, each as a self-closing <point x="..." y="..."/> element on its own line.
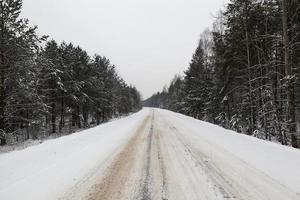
<point x="145" y="190"/>
<point x="221" y="184"/>
<point x="164" y="187"/>
<point x="162" y="162"/>
<point x="111" y="186"/>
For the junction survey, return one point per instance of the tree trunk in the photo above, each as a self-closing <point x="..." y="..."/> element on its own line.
<point x="85" y="117"/>
<point x="73" y="118"/>
<point x="53" y="117"/>
<point x="98" y="114"/>
<point x="2" y="76"/>
<point x="62" y="113"/>
<point x="2" y="96"/>
<point x="27" y="126"/>
<point x="291" y="118"/>
<point x="103" y="116"/>
<point x="78" y="116"/>
<point x="252" y="117"/>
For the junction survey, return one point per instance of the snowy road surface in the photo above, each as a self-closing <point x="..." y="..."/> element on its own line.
<point x="153" y="154"/>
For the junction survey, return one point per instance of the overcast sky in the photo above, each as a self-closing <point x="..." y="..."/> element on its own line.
<point x="148" y="40"/>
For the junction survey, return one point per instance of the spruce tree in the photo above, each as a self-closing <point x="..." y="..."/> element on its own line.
<point x="19" y="43"/>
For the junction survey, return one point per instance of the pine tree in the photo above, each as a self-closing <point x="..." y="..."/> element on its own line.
<point x="19" y="43"/>
<point x="197" y="82"/>
<point x="44" y="88"/>
<point x="248" y="79"/>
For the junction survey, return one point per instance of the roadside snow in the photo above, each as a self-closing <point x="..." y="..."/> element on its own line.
<point x="48" y="170"/>
<point x="281" y="163"/>
<point x="19" y="146"/>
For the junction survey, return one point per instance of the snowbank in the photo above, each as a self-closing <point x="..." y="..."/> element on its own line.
<point x="48" y="170"/>
<point x="281" y="163"/>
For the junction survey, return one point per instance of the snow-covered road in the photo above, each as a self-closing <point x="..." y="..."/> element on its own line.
<point x="153" y="154"/>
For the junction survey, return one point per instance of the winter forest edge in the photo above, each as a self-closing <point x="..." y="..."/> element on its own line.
<point x="244" y="74"/>
<point x="48" y="88"/>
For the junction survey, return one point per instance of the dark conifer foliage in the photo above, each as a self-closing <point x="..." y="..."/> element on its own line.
<point x="247" y="77"/>
<point x="53" y="88"/>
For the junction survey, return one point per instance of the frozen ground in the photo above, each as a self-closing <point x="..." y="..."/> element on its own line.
<point x="153" y="154"/>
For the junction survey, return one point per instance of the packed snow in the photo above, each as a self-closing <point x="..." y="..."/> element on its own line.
<point x="282" y="163"/>
<point x="49" y="170"/>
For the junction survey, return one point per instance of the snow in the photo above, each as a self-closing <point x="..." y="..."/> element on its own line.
<point x="20" y="145"/>
<point x="49" y="170"/>
<point x="281" y="163"/>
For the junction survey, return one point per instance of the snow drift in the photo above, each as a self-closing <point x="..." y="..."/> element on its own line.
<point x="49" y="170"/>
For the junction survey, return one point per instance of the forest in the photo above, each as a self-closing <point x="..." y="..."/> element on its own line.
<point x="51" y="88"/>
<point x="244" y="74"/>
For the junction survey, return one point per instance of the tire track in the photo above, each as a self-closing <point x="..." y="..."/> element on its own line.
<point x="165" y="161"/>
<point x="154" y="179"/>
<point x="112" y="186"/>
<point x="222" y="185"/>
<point x="226" y="177"/>
<point x="162" y="167"/>
<point x="145" y="190"/>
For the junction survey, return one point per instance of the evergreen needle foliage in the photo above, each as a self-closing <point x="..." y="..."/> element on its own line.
<point x="46" y="89"/>
<point x="244" y="74"/>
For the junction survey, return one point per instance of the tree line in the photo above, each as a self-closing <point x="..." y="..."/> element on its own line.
<point x="245" y="72"/>
<point x="48" y="88"/>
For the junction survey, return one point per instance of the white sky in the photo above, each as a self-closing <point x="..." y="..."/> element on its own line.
<point x="148" y="40"/>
